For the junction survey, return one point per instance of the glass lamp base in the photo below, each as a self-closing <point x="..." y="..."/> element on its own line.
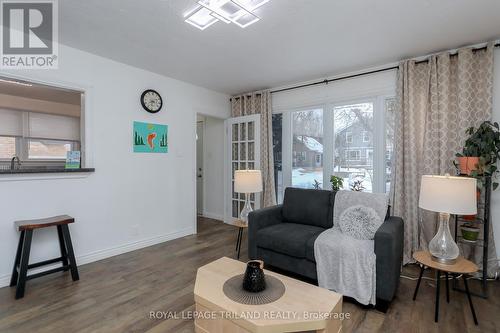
<point x="247" y="209"/>
<point x="443" y="260"/>
<point x="442" y="247"/>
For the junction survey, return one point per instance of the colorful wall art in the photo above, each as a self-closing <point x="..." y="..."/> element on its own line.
<point x="150" y="138"/>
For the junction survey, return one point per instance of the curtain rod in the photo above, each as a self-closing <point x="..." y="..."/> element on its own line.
<point x="326" y="81"/>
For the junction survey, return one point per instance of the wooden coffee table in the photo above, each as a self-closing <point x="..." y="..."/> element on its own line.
<point x="303" y="307"/>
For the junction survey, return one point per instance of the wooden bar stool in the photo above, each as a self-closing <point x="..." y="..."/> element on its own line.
<point x="21" y="265"/>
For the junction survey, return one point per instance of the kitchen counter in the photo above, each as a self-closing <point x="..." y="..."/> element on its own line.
<point x="44" y="170"/>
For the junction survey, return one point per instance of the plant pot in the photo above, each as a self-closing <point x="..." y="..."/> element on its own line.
<point x="469" y="233"/>
<point x="467" y="164"/>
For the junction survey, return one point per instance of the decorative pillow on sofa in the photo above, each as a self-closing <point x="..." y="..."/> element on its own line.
<point x="359" y="222"/>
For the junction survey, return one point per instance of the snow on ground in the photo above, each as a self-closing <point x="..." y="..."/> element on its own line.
<point x="304" y="178"/>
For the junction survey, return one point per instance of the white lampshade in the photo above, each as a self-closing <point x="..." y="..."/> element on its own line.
<point x="447" y="194"/>
<point x="247" y="181"/>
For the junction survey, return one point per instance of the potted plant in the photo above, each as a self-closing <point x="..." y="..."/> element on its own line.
<point x="357" y="186"/>
<point x="481" y="152"/>
<point x="470" y="232"/>
<point x="337" y="183"/>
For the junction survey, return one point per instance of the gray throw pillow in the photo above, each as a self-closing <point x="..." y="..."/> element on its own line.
<point x="360" y="222"/>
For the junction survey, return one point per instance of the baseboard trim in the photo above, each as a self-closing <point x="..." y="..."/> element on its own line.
<point x="111" y="252"/>
<point x="213" y="216"/>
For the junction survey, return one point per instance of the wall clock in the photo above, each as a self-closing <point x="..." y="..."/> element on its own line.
<point x="151" y="101"/>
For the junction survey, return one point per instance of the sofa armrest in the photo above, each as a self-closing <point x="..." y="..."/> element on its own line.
<point x="389" y="240"/>
<point x="260" y="219"/>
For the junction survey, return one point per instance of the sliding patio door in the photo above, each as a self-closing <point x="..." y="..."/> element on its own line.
<point x="242" y="153"/>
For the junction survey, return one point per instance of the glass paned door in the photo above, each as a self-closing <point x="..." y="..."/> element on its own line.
<point x="242" y="139"/>
<point x="354" y="145"/>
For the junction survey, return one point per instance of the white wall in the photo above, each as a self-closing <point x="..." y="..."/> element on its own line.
<point x="495" y="197"/>
<point x="213" y="142"/>
<point x="132" y="200"/>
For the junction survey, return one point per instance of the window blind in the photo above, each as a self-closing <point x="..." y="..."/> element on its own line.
<point x="11" y="123"/>
<point x="48" y="126"/>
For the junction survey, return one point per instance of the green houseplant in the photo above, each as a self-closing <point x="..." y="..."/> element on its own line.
<point x="337" y="183"/>
<point x="482" y="150"/>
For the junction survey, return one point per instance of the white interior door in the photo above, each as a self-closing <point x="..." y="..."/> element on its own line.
<point x="242" y="153"/>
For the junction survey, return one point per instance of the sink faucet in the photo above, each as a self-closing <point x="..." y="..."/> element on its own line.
<point x="13" y="161"/>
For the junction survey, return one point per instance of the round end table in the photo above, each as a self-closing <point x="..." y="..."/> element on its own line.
<point x="462" y="266"/>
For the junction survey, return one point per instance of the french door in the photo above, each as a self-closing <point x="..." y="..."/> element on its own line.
<point x="242" y="153"/>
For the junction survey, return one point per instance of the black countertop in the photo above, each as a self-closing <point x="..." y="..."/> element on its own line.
<point x="44" y="170"/>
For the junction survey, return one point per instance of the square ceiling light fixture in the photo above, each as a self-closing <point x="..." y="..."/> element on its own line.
<point x="239" y="12"/>
<point x="200" y="17"/>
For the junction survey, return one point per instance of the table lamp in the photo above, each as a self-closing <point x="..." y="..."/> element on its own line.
<point x="247" y="181"/>
<point x="447" y="195"/>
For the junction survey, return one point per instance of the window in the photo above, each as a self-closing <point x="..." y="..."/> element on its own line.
<point x="347" y="140"/>
<point x="39" y="124"/>
<point x="307" y="134"/>
<point x="366" y="136"/>
<point x="277" y="154"/>
<point x="353" y="118"/>
<point x="353" y="155"/>
<point x="38" y="136"/>
<point x="7" y="147"/>
<point x="348" y="137"/>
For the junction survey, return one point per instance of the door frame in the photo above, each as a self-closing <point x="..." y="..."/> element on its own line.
<point x="202" y="168"/>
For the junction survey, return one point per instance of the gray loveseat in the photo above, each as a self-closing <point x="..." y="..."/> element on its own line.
<point x="283" y="236"/>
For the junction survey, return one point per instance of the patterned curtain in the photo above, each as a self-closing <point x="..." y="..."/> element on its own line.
<point x="260" y="103"/>
<point x="437" y="101"/>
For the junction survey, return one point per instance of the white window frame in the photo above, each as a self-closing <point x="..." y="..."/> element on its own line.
<point x="378" y="137"/>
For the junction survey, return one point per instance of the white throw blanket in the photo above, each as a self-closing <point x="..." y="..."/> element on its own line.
<point x="344" y="264"/>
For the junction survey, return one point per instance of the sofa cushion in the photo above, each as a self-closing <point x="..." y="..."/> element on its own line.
<point x="306" y="206"/>
<point x="289" y="238"/>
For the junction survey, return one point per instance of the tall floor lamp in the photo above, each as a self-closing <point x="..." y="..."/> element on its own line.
<point x="247" y="182"/>
<point x="447" y="195"/>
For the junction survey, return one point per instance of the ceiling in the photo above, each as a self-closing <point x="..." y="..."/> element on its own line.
<point x="39" y="91"/>
<point x="295" y="40"/>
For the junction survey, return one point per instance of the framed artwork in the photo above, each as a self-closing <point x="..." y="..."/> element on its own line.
<point x="150" y="138"/>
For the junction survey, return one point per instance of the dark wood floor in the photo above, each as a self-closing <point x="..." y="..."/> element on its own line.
<point x="117" y="295"/>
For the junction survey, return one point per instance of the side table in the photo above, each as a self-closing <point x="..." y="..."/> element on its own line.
<point x="462" y="266"/>
<point x="241" y="226"/>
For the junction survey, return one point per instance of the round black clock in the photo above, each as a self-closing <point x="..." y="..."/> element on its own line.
<point x="151" y="101"/>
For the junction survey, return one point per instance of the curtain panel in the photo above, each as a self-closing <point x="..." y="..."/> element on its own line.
<point x="260" y="103"/>
<point x="437" y="100"/>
